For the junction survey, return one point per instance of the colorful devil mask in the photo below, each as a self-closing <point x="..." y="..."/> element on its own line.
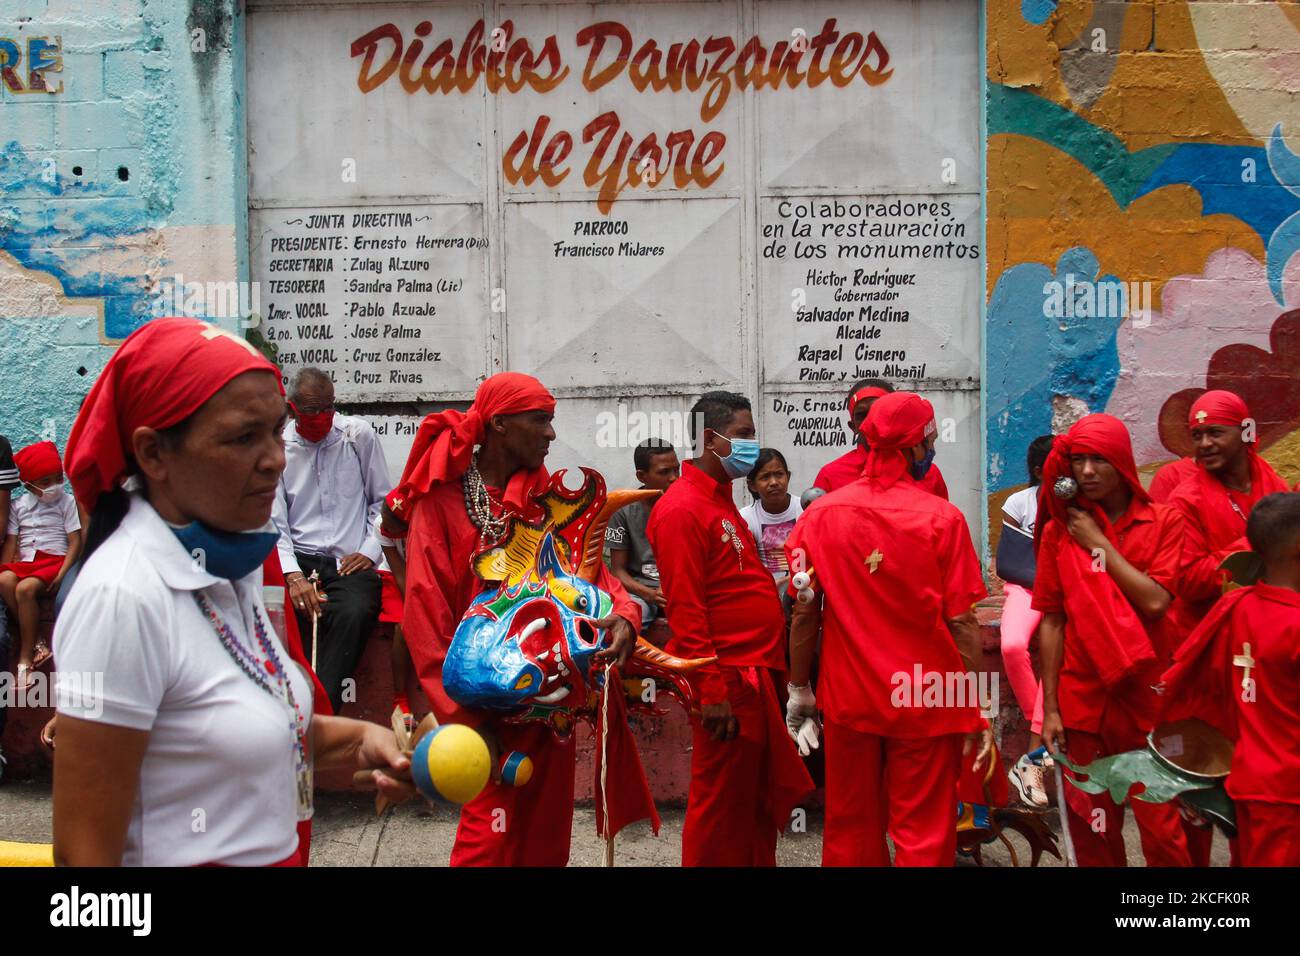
<point x="526" y="648"/>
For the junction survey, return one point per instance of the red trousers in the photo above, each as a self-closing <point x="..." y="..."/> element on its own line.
<point x="730" y="817"/>
<point x="522" y="826"/>
<point x="906" y="786"/>
<point x="1097" y="822"/>
<point x="1268" y="834"/>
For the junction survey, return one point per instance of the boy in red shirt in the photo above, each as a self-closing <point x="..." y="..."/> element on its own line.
<point x="895" y="578"/>
<point x="1107" y="572"/>
<point x="746" y="775"/>
<point x="1240" y="671"/>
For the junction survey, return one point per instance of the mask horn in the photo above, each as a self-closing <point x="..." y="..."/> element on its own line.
<point x="594" y="540"/>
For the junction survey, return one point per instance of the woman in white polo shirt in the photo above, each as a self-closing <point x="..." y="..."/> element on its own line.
<point x="186" y="734"/>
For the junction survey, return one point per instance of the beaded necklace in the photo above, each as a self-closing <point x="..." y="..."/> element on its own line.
<point x="261" y="671"/>
<point x="478" y="505"/>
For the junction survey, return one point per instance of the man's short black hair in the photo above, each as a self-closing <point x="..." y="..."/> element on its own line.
<point x="867" y="383"/>
<point x="715" y="410"/>
<point x="1036" y="457"/>
<point x="647" y="450"/>
<point x="310" y="376"/>
<point x="1273" y="528"/>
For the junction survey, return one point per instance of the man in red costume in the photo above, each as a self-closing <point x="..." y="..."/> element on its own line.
<point x="848" y="467"/>
<point x="1216" y="498"/>
<point x="1240" y="672"/>
<point x="1225" y="479"/>
<point x="452" y="498"/>
<point x="894" y="581"/>
<point x="1107" y="572"/>
<point x="746" y="776"/>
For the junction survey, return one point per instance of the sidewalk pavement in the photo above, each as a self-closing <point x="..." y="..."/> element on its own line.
<point x="347" y="833"/>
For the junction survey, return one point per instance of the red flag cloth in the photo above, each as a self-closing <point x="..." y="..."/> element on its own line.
<point x="1169" y="477"/>
<point x="625" y="787"/>
<point x="444" y="444"/>
<point x="893" y="566"/>
<point x="158" y="377"/>
<point x="848" y="467"/>
<point x="1107" y="642"/>
<point x="38" y="461"/>
<point x="1257" y="626"/>
<point x="897" y="421"/>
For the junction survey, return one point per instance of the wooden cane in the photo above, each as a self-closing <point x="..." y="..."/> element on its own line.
<point x="315" y="621"/>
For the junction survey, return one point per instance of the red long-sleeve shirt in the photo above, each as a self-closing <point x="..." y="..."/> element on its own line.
<point x="721" y="599"/>
<point x="848" y="468"/>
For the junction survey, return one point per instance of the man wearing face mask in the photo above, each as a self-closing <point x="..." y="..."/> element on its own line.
<point x="894" y="579"/>
<point x="746" y="776"/>
<point x="329" y="496"/>
<point x="42" y="542"/>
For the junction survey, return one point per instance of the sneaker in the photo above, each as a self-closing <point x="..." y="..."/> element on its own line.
<point x="1027" y="778"/>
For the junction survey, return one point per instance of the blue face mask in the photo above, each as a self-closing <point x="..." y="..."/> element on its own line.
<point x="225" y="554"/>
<point x="922" y="468"/>
<point x="743" y="456"/>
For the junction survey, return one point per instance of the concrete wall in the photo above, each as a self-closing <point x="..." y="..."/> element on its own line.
<point x="1150" y="149"/>
<point x="126" y="169"/>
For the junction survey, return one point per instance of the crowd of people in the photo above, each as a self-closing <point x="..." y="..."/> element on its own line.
<point x="202" y="488"/>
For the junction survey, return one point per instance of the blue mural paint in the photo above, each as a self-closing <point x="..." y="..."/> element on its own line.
<point x="1285" y="241"/>
<point x="1074" y="355"/>
<point x="1037" y="11"/>
<point x="55" y="236"/>
<point x="1216" y="172"/>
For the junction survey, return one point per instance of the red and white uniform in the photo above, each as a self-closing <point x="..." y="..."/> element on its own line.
<point x="721" y="603"/>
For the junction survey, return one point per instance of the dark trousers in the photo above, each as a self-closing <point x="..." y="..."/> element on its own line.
<point x="348" y="617"/>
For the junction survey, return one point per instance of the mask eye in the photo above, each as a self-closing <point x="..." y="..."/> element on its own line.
<point x="524" y="682"/>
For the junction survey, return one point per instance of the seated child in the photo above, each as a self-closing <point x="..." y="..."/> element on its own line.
<point x="41" y="544"/>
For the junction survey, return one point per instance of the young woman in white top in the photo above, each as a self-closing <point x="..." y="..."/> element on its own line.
<point x="185" y="731"/>
<point x="1020" y="623"/>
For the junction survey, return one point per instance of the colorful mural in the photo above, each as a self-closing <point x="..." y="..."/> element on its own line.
<point x="120" y="168"/>
<point x="1152" y="148"/>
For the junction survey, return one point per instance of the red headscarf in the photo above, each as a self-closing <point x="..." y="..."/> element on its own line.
<point x="38" y="461"/>
<point x="1218" y="407"/>
<point x="444" y="445"/>
<point x="1100" y="434"/>
<point x="161" y="374"/>
<point x="897" y="420"/>
<point x="1104" y="620"/>
<point x="867" y="391"/>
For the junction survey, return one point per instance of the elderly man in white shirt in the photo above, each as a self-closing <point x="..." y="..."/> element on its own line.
<point x="328" y="498"/>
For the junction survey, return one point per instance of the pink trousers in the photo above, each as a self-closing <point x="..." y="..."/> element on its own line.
<point x="1019" y="621"/>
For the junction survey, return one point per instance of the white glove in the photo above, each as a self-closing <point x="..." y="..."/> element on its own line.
<point x="801" y="718"/>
